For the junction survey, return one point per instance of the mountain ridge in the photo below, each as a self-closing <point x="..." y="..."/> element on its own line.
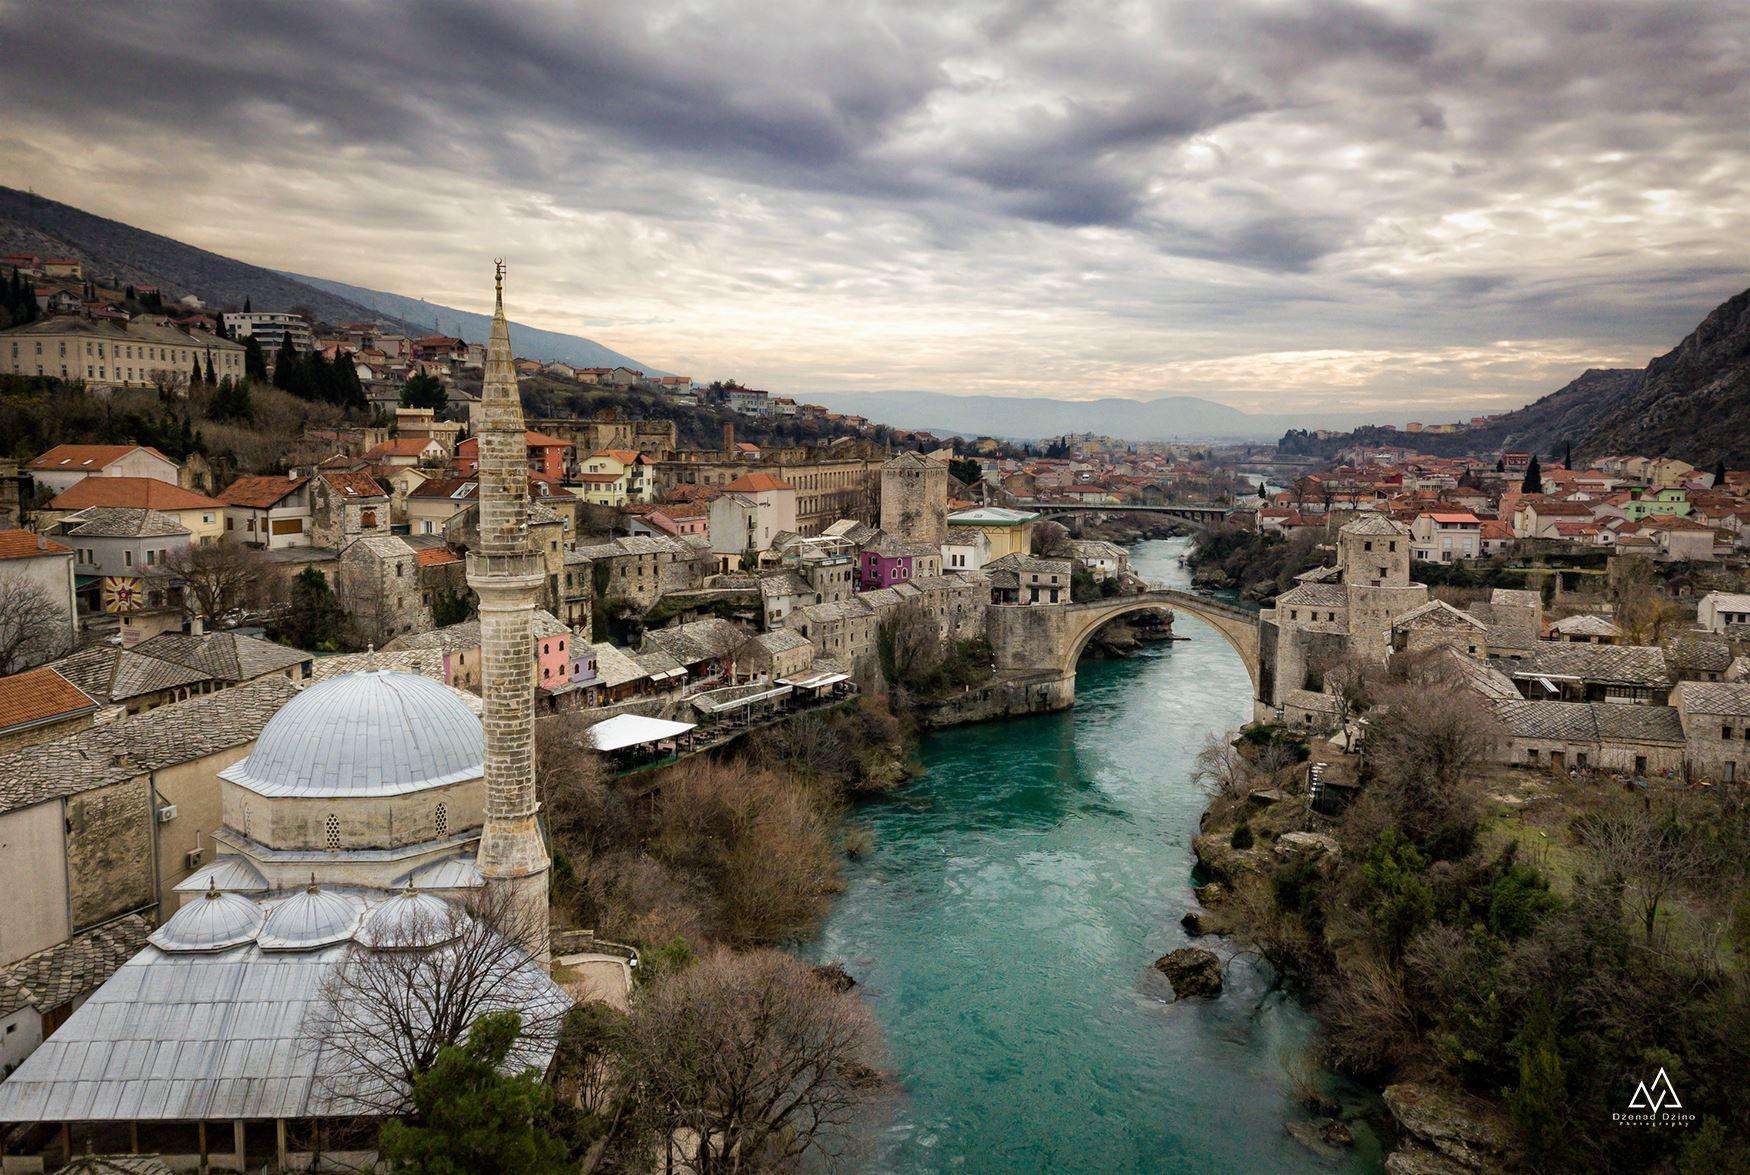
<point x="37" y="224"/>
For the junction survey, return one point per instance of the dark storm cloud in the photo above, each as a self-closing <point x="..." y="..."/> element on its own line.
<point x="1252" y="174"/>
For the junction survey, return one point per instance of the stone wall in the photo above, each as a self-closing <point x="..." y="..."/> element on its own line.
<point x="109" y="851"/>
<point x="293" y="824"/>
<point x="33" y="875"/>
<point x="1003" y="698"/>
<point x="1023" y="637"/>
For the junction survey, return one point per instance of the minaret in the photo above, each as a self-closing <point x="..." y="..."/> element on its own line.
<point x="507" y="577"/>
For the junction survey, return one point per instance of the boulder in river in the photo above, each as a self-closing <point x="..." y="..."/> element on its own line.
<point x="1324" y="1137"/>
<point x="1192" y="971"/>
<point x="1200" y="922"/>
<point x="1212" y="893"/>
<point x="1458" y="1129"/>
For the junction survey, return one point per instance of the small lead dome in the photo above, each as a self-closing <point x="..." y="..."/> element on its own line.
<point x="409" y="920"/>
<point x="215" y="922"/>
<point x="365" y="734"/>
<point x="310" y="919"/>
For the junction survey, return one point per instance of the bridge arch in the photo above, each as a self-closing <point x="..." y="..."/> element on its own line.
<point x="1236" y="626"/>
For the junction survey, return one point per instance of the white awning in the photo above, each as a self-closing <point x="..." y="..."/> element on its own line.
<point x="1549" y="685"/>
<point x="632" y="730"/>
<point x="815" y="680"/>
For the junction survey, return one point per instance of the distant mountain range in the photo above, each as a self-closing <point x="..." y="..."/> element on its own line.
<point x="526" y="341"/>
<point x="35" y="224"/>
<point x="1692" y="403"/>
<point x="1170" y="418"/>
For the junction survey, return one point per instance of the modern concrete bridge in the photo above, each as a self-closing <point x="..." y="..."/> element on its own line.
<point x="1196" y="515"/>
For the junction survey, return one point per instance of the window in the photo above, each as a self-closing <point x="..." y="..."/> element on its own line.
<point x="127" y="558"/>
<point x="1640" y="764"/>
<point x="331" y="832"/>
<point x="1725" y="732"/>
<point x="441" y="821"/>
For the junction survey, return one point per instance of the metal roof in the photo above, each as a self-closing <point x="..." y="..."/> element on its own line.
<point x="217" y="1034"/>
<point x="365" y="734"/>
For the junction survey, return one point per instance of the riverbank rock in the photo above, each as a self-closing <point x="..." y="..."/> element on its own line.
<point x="1192" y="971"/>
<point x="1293" y="846"/>
<point x="1324" y="1137"/>
<point x="835" y="976"/>
<point x="1212" y="893"/>
<point x="1200" y="922"/>
<point x="1411" y="1159"/>
<point x="1459" y="1129"/>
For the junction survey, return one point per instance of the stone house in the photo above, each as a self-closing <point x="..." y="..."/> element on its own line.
<point x="201" y="515"/>
<point x="346" y="506"/>
<point x="118" y="554"/>
<point x="380" y="589"/>
<point x="1562" y="671"/>
<point x="781" y="653"/>
<point x="890" y="560"/>
<point x="914" y="498"/>
<point x="1438" y="623"/>
<point x="1102" y="560"/>
<point x="843" y="631"/>
<point x="1716" y="726"/>
<point x="173" y="667"/>
<point x="1028" y="579"/>
<point x="1636" y="740"/>
<point x="1719" y="611"/>
<point x="640" y="570"/>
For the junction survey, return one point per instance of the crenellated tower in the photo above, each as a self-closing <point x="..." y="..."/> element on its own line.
<point x="507" y="577"/>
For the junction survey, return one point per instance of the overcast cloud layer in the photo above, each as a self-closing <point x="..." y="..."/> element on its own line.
<point x="1275" y="205"/>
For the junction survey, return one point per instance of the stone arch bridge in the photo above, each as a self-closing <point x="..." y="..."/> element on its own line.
<point x="1045" y="641"/>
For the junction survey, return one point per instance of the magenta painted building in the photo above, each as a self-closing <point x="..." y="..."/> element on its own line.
<point x="876" y="570"/>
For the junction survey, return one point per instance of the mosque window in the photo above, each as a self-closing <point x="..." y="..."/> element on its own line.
<point x="331" y="829"/>
<point x="442" y="820"/>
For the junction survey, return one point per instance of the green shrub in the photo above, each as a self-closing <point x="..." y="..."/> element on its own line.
<point x="1242" y="836"/>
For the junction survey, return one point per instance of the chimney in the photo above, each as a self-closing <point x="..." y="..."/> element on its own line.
<point x="197" y="626"/>
<point x="729" y="439"/>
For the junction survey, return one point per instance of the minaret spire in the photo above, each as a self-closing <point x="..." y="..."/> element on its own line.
<point x="507" y="576"/>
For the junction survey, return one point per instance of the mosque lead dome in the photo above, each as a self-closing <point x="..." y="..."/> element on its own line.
<point x="365" y="734"/>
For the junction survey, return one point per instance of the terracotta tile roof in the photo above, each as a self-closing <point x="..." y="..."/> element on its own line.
<point x="38" y="695"/>
<point x="435" y="557"/>
<point x="260" y="492"/>
<point x="400" y="447"/>
<point x="623" y="456"/>
<point x="598" y="478"/>
<point x="757" y="482"/>
<point x="146" y="492"/>
<point x="87" y="457"/>
<point x="353" y="484"/>
<point x="22" y="544"/>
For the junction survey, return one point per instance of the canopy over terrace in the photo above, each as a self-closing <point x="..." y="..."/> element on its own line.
<point x="742" y="703"/>
<point x="629" y="736"/>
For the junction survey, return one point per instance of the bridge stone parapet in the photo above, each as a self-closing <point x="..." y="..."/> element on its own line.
<point x="1048" y="639"/>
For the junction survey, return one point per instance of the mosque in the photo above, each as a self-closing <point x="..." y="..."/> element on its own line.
<point x="370" y="805"/>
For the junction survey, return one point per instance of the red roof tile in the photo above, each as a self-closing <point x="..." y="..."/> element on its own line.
<point x="147" y="492"/>
<point x="38" y="695"/>
<point x="435" y="556"/>
<point x="259" y="492"/>
<point x="757" y="482"/>
<point x="87" y="457"/>
<point x="22" y="544"/>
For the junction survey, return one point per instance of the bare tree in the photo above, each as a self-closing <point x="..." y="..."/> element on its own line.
<point x="34" y="627"/>
<point x="1424" y="749"/>
<point x="909" y="643"/>
<point x="809" y="746"/>
<point x="389" y="1005"/>
<point x="1221" y="770"/>
<point x="750" y="1062"/>
<point x="1650" y="849"/>
<point x="1051" y="541"/>
<point x="219" y="577"/>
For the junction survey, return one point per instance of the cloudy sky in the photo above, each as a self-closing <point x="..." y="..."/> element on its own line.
<point x="1322" y="204"/>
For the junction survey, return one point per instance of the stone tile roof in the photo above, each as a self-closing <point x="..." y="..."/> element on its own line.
<point x="38" y="695"/>
<point x="1699" y="652"/>
<point x="452" y="638"/>
<point x="139" y="743"/>
<point x="1374" y="522"/>
<point x="1726" y="698"/>
<point x="1592" y="722"/>
<point x="1637" y="665"/>
<point x="783" y="583"/>
<point x="1438" y="614"/>
<point x="425" y="662"/>
<point x="782" y="640"/>
<point x="1315" y="595"/>
<point x="1031" y="564"/>
<point x="699" y="640"/>
<point x="226" y="656"/>
<point x="69" y="969"/>
<point x="1321" y="575"/>
<point x="115" y="675"/>
<point x="1586" y="624"/>
<point x="122" y="522"/>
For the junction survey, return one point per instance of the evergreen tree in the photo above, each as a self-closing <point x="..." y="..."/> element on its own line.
<point x="1533" y="483"/>
<point x="1568" y="455"/>
<point x="288" y="370"/>
<point x="469" y="1116"/>
<point x="1500" y="465"/>
<point x="424" y="391"/>
<point x="254" y="362"/>
<point x="194" y="375"/>
<point x="212" y="380"/>
<point x="1539" y="1102"/>
<point x="1262" y="495"/>
<point x="313" y="618"/>
<point x="246" y="307"/>
<point x="1720" y="472"/>
<point x="350" y="392"/>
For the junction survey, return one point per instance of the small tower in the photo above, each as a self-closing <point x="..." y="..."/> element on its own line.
<point x="914" y="498"/>
<point x="507" y="577"/>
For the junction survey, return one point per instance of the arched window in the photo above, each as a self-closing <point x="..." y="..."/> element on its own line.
<point x="442" y="820"/>
<point x="331" y="829"/>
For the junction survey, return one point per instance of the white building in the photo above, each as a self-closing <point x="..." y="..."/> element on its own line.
<point x="1719" y="609"/>
<point x="1446" y="537"/>
<point x="270" y="329"/>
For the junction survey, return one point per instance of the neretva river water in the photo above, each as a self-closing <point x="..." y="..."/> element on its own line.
<point x="1004" y="924"/>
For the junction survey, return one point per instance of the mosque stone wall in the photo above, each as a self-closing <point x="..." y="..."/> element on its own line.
<point x="109" y="851"/>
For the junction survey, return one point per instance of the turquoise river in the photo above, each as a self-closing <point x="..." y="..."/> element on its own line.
<point x="1004" y="924"/>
